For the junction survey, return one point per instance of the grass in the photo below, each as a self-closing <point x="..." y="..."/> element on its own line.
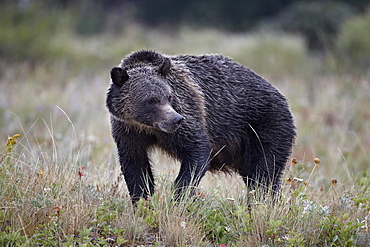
<point x="50" y="201"/>
<point x="60" y="183"/>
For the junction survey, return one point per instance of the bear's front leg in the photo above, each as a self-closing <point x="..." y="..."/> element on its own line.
<point x="138" y="176"/>
<point x="193" y="167"/>
<point x="133" y="157"/>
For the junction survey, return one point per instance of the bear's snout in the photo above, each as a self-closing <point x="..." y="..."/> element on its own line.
<point x="177" y="120"/>
<point x="170" y="121"/>
<point x="173" y="122"/>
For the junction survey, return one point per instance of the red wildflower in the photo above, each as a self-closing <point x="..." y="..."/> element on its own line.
<point x="80" y="173"/>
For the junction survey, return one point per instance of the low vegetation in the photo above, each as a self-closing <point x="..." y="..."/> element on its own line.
<point x="52" y="200"/>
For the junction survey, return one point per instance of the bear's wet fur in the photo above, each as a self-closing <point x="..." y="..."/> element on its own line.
<point x="208" y="112"/>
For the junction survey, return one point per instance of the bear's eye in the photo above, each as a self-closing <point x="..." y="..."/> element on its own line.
<point x="152" y="101"/>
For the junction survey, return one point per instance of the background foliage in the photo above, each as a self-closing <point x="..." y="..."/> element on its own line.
<point x="28" y="26"/>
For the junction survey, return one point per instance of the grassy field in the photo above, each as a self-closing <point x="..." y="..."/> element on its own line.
<point x="59" y="176"/>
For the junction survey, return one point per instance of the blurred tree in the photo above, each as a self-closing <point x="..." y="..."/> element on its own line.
<point x="353" y="44"/>
<point x="233" y="15"/>
<point x="90" y="18"/>
<point x="317" y="21"/>
<point x="25" y="32"/>
<point x="237" y="15"/>
<point x="360" y="5"/>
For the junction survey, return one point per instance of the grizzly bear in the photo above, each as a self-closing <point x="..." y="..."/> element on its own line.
<point x="208" y="112"/>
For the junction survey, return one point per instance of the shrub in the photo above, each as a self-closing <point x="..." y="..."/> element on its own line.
<point x="317" y="21"/>
<point x="353" y="43"/>
<point x="25" y="33"/>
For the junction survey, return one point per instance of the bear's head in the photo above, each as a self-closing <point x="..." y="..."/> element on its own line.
<point x="141" y="97"/>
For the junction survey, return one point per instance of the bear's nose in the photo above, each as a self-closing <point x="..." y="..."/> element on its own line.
<point x="178" y="119"/>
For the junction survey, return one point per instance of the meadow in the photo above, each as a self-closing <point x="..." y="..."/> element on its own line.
<point x="60" y="179"/>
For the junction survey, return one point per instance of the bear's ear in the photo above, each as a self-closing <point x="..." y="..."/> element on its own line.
<point x="165" y="67"/>
<point x="119" y="76"/>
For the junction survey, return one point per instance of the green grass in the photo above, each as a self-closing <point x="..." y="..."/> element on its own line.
<point x="52" y="200"/>
<point x="60" y="182"/>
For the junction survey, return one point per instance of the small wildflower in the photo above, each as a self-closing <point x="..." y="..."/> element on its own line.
<point x="80" y="173"/>
<point x="308" y="206"/>
<point x="317" y="161"/>
<point x="201" y="194"/>
<point x="294" y="161"/>
<point x="183" y="224"/>
<point x="58" y="210"/>
<point x="289" y="180"/>
<point x="324" y="211"/>
<point x="299" y="180"/>
<point x="334" y="181"/>
<point x="305" y="183"/>
<point x="11" y="142"/>
<point x="231" y="200"/>
<point x="41" y="174"/>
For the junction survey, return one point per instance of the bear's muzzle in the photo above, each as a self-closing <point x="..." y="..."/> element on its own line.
<point x="170" y="120"/>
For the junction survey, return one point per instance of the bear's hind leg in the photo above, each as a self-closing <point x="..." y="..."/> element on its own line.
<point x="260" y="168"/>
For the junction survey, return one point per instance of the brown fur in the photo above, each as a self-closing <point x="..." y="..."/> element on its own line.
<point x="206" y="111"/>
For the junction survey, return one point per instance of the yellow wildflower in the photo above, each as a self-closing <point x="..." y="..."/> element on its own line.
<point x="41" y="173"/>
<point x="294" y="161"/>
<point x="317" y="161"/>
